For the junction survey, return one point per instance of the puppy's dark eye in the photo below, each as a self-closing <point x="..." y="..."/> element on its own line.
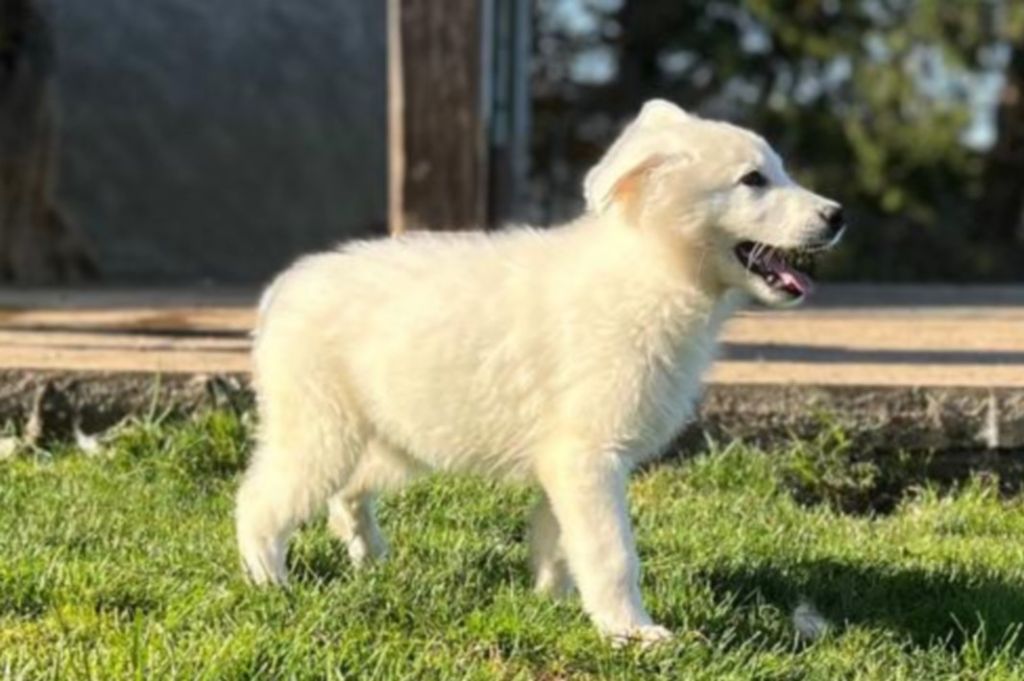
<point x="754" y="179"/>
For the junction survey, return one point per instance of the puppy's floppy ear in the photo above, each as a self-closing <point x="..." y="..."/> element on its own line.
<point x="661" y="111"/>
<point x="638" y="148"/>
<point x="628" y="189"/>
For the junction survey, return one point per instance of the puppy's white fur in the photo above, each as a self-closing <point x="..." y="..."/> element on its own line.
<point x="563" y="357"/>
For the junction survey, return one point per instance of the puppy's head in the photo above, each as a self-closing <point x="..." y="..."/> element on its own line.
<point x="725" y="192"/>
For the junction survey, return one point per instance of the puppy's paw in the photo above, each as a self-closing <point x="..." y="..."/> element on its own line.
<point x="554" y="582"/>
<point x="365" y="551"/>
<point x="263" y="562"/>
<point x="645" y="636"/>
<point x="261" y="574"/>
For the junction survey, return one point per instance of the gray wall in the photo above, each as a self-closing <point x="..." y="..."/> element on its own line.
<point x="217" y="139"/>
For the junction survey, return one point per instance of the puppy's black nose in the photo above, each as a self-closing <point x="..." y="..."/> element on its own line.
<point x="834" y="218"/>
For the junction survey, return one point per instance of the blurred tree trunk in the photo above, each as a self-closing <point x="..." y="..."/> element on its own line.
<point x="637" y="57"/>
<point x="37" y="244"/>
<point x="1001" y="208"/>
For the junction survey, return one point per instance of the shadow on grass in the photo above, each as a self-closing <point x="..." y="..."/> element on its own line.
<point x="926" y="606"/>
<point x="318" y="562"/>
<point x="475" y="572"/>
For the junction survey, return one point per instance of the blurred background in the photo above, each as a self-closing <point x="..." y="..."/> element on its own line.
<point x="190" y="141"/>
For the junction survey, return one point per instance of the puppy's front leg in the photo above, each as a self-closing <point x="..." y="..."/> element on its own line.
<point x="587" y="492"/>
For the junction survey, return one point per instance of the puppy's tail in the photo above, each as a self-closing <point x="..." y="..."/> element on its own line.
<point x="266" y="301"/>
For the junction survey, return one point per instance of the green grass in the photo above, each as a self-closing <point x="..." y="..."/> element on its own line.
<point x="123" y="565"/>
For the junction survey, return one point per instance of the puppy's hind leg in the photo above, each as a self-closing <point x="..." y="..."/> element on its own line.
<point x="352" y="511"/>
<point x="550" y="570"/>
<point x="265" y="515"/>
<point x="353" y="520"/>
<point x="285" y="483"/>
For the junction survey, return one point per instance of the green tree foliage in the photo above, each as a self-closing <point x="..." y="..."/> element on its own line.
<point x="871" y="101"/>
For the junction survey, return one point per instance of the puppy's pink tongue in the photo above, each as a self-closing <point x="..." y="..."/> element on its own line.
<point x="790" y="279"/>
<point x="796" y="282"/>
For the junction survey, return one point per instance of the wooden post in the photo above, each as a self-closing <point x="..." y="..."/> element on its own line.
<point x="437" y="123"/>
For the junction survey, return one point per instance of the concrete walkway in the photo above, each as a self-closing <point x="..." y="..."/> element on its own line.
<point x="945" y="362"/>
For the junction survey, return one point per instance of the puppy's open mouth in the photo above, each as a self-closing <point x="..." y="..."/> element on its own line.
<point x="780" y="268"/>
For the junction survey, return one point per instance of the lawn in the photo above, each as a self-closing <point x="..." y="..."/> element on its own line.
<point x="121" y="563"/>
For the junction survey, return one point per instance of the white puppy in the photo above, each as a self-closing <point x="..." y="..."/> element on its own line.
<point x="563" y="357"/>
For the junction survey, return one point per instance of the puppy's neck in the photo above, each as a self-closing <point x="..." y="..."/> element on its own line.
<point x="673" y="255"/>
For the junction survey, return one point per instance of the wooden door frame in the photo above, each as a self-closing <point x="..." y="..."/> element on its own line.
<point x="458" y="112"/>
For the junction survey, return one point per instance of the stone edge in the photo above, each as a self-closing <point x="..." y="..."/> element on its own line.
<point x="53" y="405"/>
